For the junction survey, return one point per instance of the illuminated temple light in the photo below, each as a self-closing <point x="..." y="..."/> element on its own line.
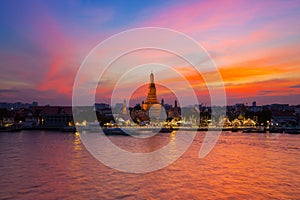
<point x="151" y="97"/>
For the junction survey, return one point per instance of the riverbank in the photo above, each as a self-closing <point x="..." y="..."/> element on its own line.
<point x="288" y="130"/>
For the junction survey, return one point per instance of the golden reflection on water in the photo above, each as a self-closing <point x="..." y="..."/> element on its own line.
<point x="77" y="143"/>
<point x="173" y="135"/>
<point x="241" y="166"/>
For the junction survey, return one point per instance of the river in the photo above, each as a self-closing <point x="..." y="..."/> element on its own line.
<point x="55" y="165"/>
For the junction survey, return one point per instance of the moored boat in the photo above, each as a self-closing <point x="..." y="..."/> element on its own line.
<point x="10" y="128"/>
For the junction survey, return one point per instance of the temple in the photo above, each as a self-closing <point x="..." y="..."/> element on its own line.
<point x="153" y="111"/>
<point x="151" y="96"/>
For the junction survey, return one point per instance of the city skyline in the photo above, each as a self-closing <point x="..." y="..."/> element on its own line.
<point x="254" y="46"/>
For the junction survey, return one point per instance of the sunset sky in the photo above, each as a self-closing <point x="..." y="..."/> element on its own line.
<point x="254" y="44"/>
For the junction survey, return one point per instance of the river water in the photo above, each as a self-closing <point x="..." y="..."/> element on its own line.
<point x="54" y="165"/>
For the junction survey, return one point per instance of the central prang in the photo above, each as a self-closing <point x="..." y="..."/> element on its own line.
<point x="151" y="96"/>
<point x="153" y="112"/>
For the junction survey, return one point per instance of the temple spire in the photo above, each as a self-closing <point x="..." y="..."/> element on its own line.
<point x="151" y="77"/>
<point x="151" y="97"/>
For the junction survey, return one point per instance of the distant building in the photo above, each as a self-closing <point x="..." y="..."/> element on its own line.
<point x="124" y="110"/>
<point x="174" y="112"/>
<point x="254" y="108"/>
<point x="118" y="109"/>
<point x="53" y="116"/>
<point x="280" y="107"/>
<point x="101" y="106"/>
<point x="17" y="105"/>
<point x="239" y="106"/>
<point x="284" y="117"/>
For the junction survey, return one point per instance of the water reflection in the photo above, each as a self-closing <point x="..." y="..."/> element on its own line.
<point x="77" y="142"/>
<point x="53" y="165"/>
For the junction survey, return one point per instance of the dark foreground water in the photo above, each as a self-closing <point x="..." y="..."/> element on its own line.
<point x="53" y="165"/>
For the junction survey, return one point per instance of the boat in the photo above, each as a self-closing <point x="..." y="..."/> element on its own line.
<point x="71" y="129"/>
<point x="166" y="130"/>
<point x="10" y="128"/>
<point x="114" y="131"/>
<point x="90" y="127"/>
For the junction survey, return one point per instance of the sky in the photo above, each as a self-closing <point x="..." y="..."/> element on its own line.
<point x="254" y="44"/>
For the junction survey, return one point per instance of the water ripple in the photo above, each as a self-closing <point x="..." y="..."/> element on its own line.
<point x="52" y="165"/>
